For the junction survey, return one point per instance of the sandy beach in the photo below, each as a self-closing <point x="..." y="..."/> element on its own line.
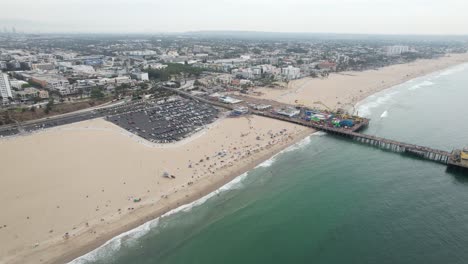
<point x="82" y="179"/>
<point x="86" y="179"/>
<point x="345" y="89"/>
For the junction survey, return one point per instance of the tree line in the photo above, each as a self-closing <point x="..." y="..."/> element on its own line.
<point x="173" y="69"/>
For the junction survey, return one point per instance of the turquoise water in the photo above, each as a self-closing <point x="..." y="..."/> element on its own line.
<point x="330" y="200"/>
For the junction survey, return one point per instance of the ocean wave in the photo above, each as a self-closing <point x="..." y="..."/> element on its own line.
<point x="365" y="108"/>
<point x="384" y="114"/>
<point x="421" y="85"/>
<point x="267" y="163"/>
<point x="299" y="145"/>
<point x="453" y="70"/>
<point x="114" y="244"/>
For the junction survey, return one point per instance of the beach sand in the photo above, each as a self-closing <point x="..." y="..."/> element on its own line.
<point x="345" y="89"/>
<point x="82" y="178"/>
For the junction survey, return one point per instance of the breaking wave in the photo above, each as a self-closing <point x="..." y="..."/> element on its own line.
<point x="365" y="108"/>
<point x="421" y="85"/>
<point x="384" y="114"/>
<point x="453" y="70"/>
<point x="299" y="145"/>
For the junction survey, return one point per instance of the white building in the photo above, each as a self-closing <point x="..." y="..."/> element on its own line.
<point x="43" y="66"/>
<point x="396" y="50"/>
<point x="3" y="65"/>
<point x="291" y="72"/>
<point x="141" y="76"/>
<point x="18" y="84"/>
<point x="142" y="53"/>
<point x="5" y="88"/>
<point x="116" y="81"/>
<point x="83" y="69"/>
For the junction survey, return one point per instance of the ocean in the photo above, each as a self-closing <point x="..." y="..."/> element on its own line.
<point x="331" y="200"/>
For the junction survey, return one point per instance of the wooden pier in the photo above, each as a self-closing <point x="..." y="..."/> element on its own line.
<point x="427" y="153"/>
<point x="439" y="156"/>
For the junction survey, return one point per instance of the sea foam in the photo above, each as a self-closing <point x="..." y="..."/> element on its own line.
<point x="384" y="114"/>
<point x="299" y="145"/>
<point x="453" y="70"/>
<point x="365" y="108"/>
<point x="421" y="85"/>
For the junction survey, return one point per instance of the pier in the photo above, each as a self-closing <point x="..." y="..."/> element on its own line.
<point x="451" y="159"/>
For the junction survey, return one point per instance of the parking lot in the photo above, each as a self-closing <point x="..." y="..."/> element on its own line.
<point x="157" y="120"/>
<point x="166" y="122"/>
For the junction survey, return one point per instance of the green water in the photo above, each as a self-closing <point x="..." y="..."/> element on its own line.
<point x="331" y="200"/>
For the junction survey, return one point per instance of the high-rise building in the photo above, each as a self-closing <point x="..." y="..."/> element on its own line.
<point x="5" y="88"/>
<point x="291" y="72"/>
<point x="396" y="50"/>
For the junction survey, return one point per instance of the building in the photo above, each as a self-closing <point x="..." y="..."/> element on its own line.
<point x="27" y="94"/>
<point x="291" y="73"/>
<point x="53" y="82"/>
<point x="43" y="94"/>
<point x="326" y="65"/>
<point x="5" y="88"/>
<point x="229" y="100"/>
<point x="43" y="66"/>
<point x="396" y="50"/>
<point x="115" y="81"/>
<point x="157" y="66"/>
<point x="83" y="69"/>
<point x="260" y="107"/>
<point x="14" y="65"/>
<point x="18" y="84"/>
<point x="141" y="53"/>
<point x="241" y="110"/>
<point x="141" y="76"/>
<point x="288" y="111"/>
<point x="3" y="65"/>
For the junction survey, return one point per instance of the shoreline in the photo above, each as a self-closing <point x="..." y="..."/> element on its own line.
<point x="358" y="100"/>
<point x="63" y="252"/>
<point x="84" y="239"/>
<point x="344" y="89"/>
<point x="208" y="189"/>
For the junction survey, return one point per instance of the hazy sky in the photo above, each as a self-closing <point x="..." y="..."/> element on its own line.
<point x="149" y="16"/>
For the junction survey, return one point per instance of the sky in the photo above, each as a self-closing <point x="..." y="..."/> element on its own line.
<point x="315" y="16"/>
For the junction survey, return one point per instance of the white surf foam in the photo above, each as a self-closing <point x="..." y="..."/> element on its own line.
<point x="421" y="85"/>
<point x="365" y="108"/>
<point x="453" y="70"/>
<point x="299" y="145"/>
<point x="267" y="163"/>
<point x="384" y="114"/>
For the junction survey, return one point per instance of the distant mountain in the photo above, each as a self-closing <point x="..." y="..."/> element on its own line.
<point x="319" y="36"/>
